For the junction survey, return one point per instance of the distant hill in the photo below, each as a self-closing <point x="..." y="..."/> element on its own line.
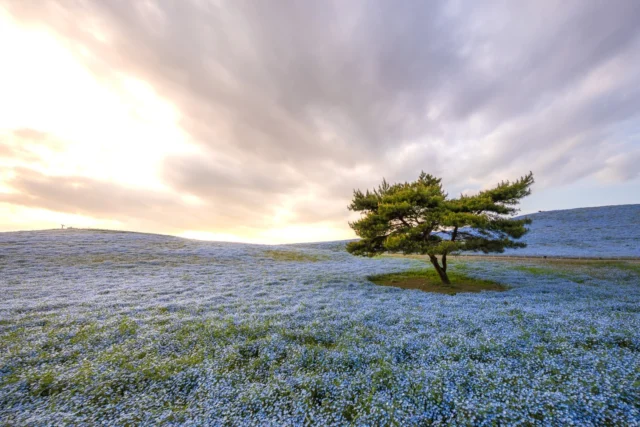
<point x="606" y="231"/>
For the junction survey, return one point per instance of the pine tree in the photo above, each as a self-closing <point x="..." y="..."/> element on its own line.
<point x="419" y="218"/>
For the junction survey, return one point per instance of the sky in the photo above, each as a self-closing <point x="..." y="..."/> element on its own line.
<point x="254" y="121"/>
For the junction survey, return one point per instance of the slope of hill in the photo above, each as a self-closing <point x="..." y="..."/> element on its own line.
<point x="111" y="328"/>
<point x="600" y="232"/>
<point x="606" y="231"/>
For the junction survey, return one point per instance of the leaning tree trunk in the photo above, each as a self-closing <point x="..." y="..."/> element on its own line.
<point x="442" y="271"/>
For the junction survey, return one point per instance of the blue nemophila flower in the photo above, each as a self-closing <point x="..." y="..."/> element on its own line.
<point x="142" y="329"/>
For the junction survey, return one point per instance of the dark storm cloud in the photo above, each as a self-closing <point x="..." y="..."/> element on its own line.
<point x="291" y="97"/>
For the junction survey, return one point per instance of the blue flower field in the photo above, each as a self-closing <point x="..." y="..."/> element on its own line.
<point x="127" y="329"/>
<point x="605" y="231"/>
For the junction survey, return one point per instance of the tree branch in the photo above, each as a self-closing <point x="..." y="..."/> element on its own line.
<point x="454" y="234"/>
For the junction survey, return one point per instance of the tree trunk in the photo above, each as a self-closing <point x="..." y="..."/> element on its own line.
<point x="441" y="271"/>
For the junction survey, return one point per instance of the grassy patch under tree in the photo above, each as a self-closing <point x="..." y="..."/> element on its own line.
<point x="428" y="280"/>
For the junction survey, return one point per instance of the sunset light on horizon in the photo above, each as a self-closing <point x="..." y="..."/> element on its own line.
<point x="219" y="122"/>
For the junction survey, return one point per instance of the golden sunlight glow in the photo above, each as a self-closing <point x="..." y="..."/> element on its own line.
<point x="58" y="118"/>
<point x="279" y="235"/>
<point x="22" y="218"/>
<point x="220" y="237"/>
<point x="304" y="233"/>
<point x="116" y="129"/>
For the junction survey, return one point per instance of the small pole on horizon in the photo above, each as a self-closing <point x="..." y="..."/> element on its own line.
<point x="62" y="226"/>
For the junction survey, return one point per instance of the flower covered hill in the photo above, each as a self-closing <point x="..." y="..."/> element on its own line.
<point x="127" y="328"/>
<point x="606" y="231"/>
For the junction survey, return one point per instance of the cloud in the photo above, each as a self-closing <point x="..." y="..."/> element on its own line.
<point x="623" y="167"/>
<point x="84" y="196"/>
<point x="28" y="146"/>
<point x="291" y="103"/>
<point x="94" y="198"/>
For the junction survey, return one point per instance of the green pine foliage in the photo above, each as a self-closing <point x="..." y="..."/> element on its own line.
<point x="419" y="218"/>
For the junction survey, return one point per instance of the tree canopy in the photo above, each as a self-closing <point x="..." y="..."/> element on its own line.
<point x="419" y="218"/>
